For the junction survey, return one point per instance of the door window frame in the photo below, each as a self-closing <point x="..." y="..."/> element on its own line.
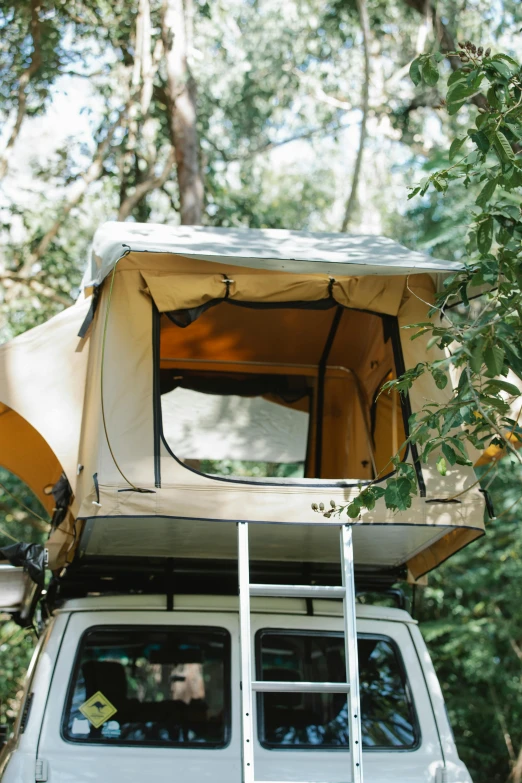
<point x="272" y="746"/>
<point x="145" y="628"/>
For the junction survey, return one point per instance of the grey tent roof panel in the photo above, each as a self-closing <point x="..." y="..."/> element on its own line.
<point x="292" y="251"/>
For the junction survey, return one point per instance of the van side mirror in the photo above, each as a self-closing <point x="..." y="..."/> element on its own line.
<point x="4" y="734"/>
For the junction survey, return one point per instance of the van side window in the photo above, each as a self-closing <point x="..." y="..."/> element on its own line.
<point x="150" y="686"/>
<point x="312" y="720"/>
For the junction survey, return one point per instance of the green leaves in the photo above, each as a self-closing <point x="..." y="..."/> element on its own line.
<point x="485" y="235"/>
<point x="398" y="494"/>
<point x="481" y="140"/>
<point x="501" y="67"/>
<point x="477" y="357"/>
<point x="354" y="510"/>
<point x="455" y="146"/>
<point x="456" y="76"/>
<point x="503" y="146"/>
<point x="494" y="357"/>
<point x="441" y="466"/>
<point x="415" y="72"/>
<point x="486" y="193"/>
<point x="458" y="94"/>
<point x="430" y="72"/>
<point x="498" y="385"/>
<point x="449" y="453"/>
<point x="425" y="69"/>
<point x="439" y="376"/>
<point x="477" y="319"/>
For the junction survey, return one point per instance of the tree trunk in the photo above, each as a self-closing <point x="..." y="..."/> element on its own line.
<point x="351" y="203"/>
<point x="182" y="112"/>
<point x="141" y="142"/>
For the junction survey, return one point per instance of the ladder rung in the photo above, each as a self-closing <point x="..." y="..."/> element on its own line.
<point x="297" y="591"/>
<point x="269" y="686"/>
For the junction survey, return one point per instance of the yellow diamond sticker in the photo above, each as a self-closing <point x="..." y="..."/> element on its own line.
<point x="98" y="709"/>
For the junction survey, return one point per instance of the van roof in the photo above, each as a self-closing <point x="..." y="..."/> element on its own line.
<point x="229" y="603"/>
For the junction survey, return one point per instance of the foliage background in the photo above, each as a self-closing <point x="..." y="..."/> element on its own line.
<point x="279" y="94"/>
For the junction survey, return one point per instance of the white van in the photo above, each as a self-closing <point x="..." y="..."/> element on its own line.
<point x="122" y="688"/>
<point x="208" y="381"/>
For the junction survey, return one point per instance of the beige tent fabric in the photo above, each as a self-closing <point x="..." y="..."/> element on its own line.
<point x="52" y="380"/>
<point x="182" y="291"/>
<point x="418" y="296"/>
<point x="185" y="493"/>
<point x="42" y="380"/>
<point x="447" y="527"/>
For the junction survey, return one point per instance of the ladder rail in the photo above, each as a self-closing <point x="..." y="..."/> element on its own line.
<point x="350" y="653"/>
<point x="247" y="723"/>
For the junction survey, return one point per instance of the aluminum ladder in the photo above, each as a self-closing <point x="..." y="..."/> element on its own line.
<point x="250" y="686"/>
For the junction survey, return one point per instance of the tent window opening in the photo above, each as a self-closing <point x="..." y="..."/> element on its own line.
<point x="286" y="391"/>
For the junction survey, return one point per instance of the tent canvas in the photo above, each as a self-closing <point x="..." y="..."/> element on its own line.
<point x="269" y="249"/>
<point x="310" y="323"/>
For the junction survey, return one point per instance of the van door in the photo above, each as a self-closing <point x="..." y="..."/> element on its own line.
<point x="305" y="736"/>
<point x="142" y="697"/>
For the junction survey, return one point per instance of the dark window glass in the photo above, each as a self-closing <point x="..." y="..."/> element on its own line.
<point x="149" y="686"/>
<point x="315" y="719"/>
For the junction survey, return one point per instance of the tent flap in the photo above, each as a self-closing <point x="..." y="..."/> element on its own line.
<point x="28" y="456"/>
<point x="42" y="380"/>
<point x="173" y="292"/>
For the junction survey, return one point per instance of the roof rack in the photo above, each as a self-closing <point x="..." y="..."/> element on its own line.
<point x="148" y="575"/>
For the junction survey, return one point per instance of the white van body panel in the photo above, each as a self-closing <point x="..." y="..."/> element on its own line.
<point x="71" y="762"/>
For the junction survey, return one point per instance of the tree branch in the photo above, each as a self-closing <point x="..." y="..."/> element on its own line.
<point x="41" y="527"/>
<point x="146" y="186"/>
<point x="39" y="288"/>
<point x="76" y="194"/>
<point x="352" y="198"/>
<point x="322" y="96"/>
<point x="25" y="78"/>
<point x="270" y="145"/>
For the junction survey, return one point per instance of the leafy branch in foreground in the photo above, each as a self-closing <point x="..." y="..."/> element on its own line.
<point x="479" y="311"/>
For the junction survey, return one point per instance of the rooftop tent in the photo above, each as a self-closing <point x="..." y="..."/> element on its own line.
<point x="234" y="374"/>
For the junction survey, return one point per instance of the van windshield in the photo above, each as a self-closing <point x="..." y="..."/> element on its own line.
<point x="151" y="686"/>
